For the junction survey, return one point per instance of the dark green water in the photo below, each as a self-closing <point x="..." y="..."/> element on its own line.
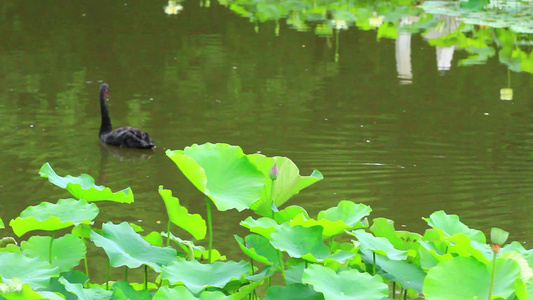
<point x="444" y="141"/>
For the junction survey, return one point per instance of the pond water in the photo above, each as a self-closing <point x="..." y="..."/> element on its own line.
<point x="405" y="121"/>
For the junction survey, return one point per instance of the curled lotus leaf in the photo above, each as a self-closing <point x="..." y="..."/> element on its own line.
<point x="179" y="215"/>
<point x="83" y="187"/>
<point x="448" y="225"/>
<point x="222" y="172"/>
<point x="50" y="216"/>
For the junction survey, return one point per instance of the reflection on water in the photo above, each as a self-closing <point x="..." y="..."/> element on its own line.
<point x="366" y="106"/>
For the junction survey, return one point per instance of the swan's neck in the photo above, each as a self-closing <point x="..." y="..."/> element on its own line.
<point x="106" y="121"/>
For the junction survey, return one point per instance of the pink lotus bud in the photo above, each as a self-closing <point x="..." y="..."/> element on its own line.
<point x="274" y="172"/>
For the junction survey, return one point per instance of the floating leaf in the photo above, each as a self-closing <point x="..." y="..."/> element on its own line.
<point x="295" y="291"/>
<point x="122" y="290"/>
<point x="288" y="183"/>
<point x="466" y="278"/>
<point x="179" y="215"/>
<point x="125" y="247"/>
<point x="346" y="284"/>
<point x="258" y="248"/>
<point x="450" y="225"/>
<point x="33" y="271"/>
<point x="49" y="216"/>
<point x="222" y="172"/>
<point x="379" y="245"/>
<point x="197" y="276"/>
<point x="94" y="293"/>
<point x="83" y="187"/>
<point x="305" y="242"/>
<point x="182" y="293"/>
<point x="67" y="251"/>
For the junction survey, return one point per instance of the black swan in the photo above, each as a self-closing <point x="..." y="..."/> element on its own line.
<point x="128" y="137"/>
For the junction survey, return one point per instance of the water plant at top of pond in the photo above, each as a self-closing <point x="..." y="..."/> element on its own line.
<point x="337" y="255"/>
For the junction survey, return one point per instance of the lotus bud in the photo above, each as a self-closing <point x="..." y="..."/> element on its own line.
<point x="506" y="94"/>
<point x="498" y="236"/>
<point x="274" y="172"/>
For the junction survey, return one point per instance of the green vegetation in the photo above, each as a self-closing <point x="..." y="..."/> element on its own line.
<point x="339" y="254"/>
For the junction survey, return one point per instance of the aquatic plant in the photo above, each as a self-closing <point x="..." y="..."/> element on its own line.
<point x="336" y="255"/>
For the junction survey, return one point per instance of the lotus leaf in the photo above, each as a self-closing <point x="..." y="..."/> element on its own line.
<point x="125" y="247"/>
<point x="266" y="272"/>
<point x="94" y="293"/>
<point x="83" y="187"/>
<point x="258" y="248"/>
<point x="222" y="172"/>
<point x="196" y="276"/>
<point x="295" y="291"/>
<point x="330" y="228"/>
<point x="346" y="284"/>
<point x="288" y="183"/>
<point x="72" y="277"/>
<point x="179" y="215"/>
<point x="410" y="276"/>
<point x="449" y="225"/>
<point x="49" y="216"/>
<point x="67" y="251"/>
<point x="346" y="211"/>
<point x="263" y="226"/>
<point x="34" y="271"/>
<point x="16" y="290"/>
<point x="379" y="245"/>
<point x="123" y="291"/>
<point x="305" y="242"/>
<point x="466" y="278"/>
<point x="293" y="274"/>
<point x="288" y="213"/>
<point x="463" y="246"/>
<point x="182" y="293"/>
<point x="2" y="224"/>
<point x="154" y="238"/>
<point x="194" y="251"/>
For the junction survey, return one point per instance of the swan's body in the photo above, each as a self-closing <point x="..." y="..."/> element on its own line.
<point x="128" y="137"/>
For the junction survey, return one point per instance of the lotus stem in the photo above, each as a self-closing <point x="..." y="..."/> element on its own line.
<point x="86" y="266"/>
<point x="331" y="243"/>
<point x="252" y="265"/>
<point x="168" y="233"/>
<point x="50" y="250"/>
<point x="394" y="290"/>
<point x="493" y="273"/>
<point x="374" y="263"/>
<point x="405" y="294"/>
<point x="146" y="277"/>
<point x="126" y="274"/>
<point x="209" y="227"/>
<point x="281" y="265"/>
<point x="107" y="275"/>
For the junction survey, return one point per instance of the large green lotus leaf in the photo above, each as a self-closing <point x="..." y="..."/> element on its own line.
<point x="182" y="293"/>
<point x="462" y="245"/>
<point x="379" y="245"/>
<point x="295" y="291"/>
<point x="125" y="247"/>
<point x="450" y="225"/>
<point x="289" y="213"/>
<point x="16" y="290"/>
<point x="67" y="251"/>
<point x="409" y="275"/>
<point x="466" y="278"/>
<point x="83" y="187"/>
<point x="34" y="271"/>
<point x="222" y="172"/>
<point x="179" y="215"/>
<point x="331" y="228"/>
<point x="258" y="248"/>
<point x="49" y="216"/>
<point x="305" y="242"/>
<point x="263" y="226"/>
<point x="288" y="183"/>
<point x="346" y="211"/>
<point x="197" y="276"/>
<point x="94" y="293"/>
<point x="346" y="284"/>
<point x="123" y="291"/>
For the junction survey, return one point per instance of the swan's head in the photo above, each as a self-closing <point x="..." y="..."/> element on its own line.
<point x="104" y="88"/>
